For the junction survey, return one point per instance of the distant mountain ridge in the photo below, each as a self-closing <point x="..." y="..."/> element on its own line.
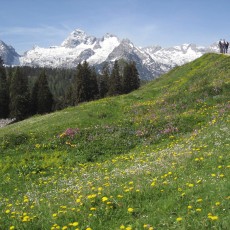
<point x="78" y="46"/>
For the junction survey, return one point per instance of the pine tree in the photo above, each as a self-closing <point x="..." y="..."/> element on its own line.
<point x="4" y="92"/>
<point x="115" y="87"/>
<point x="42" y="98"/>
<point x="131" y="79"/>
<point x="19" y="95"/>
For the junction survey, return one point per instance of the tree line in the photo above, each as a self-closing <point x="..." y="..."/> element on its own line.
<point x="26" y="91"/>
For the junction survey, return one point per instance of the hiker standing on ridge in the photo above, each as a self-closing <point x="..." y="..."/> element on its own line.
<point x="226" y="46"/>
<point x="221" y="46"/>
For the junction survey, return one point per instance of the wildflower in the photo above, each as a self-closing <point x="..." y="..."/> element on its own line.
<point x="7" y="211"/>
<point x="189" y="207"/>
<point x="25" y="219"/>
<point x="199" y="200"/>
<point x="55" y="215"/>
<point x="12" y="227"/>
<point x="78" y="200"/>
<point x="26" y="200"/>
<point x="213" y="217"/>
<point x="128" y="228"/>
<point x="130" y="210"/>
<point x="75" y="224"/>
<point x="104" y="198"/>
<point x="37" y="146"/>
<point x="64" y="227"/>
<point x="122" y="226"/>
<point x="178" y="219"/>
<point x="198" y="209"/>
<point x="88" y="228"/>
<point x="91" y="196"/>
<point x="153" y="184"/>
<point x="217" y="203"/>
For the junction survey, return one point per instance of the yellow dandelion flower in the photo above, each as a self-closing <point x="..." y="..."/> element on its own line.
<point x="153" y="184"/>
<point x="199" y="200"/>
<point x="104" y="198"/>
<point x="128" y="228"/>
<point x="7" y="211"/>
<point x="26" y="219"/>
<point x="130" y="210"/>
<point x="64" y="227"/>
<point x="178" y="219"/>
<point x="198" y="209"/>
<point x="213" y="217"/>
<point x="12" y="227"/>
<point x="189" y="207"/>
<point x="75" y="224"/>
<point x="122" y="227"/>
<point x="217" y="203"/>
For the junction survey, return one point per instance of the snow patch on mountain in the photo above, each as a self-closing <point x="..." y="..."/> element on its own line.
<point x="177" y="55"/>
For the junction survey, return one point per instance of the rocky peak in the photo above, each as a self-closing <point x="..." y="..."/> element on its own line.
<point x="8" y="54"/>
<point x="78" y="37"/>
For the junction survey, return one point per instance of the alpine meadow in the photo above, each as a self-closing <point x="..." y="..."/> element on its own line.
<point x="156" y="158"/>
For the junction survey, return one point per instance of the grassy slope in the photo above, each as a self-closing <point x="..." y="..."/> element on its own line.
<point x="161" y="150"/>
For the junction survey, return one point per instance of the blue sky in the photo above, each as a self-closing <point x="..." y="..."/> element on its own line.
<point x="25" y="23"/>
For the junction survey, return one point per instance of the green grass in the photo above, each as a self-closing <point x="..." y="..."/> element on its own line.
<point x="157" y="158"/>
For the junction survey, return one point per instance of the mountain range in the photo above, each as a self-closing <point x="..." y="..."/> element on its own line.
<point x="151" y="61"/>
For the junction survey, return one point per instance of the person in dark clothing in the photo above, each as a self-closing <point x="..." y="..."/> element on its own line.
<point x="226" y="46"/>
<point x="221" y="46"/>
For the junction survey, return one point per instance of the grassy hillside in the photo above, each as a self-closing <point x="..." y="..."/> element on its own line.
<point x="157" y="158"/>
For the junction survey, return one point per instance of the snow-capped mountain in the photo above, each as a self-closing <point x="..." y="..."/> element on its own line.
<point x="8" y="54"/>
<point x="78" y="46"/>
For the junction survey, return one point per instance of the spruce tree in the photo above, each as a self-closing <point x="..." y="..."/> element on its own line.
<point x="93" y="85"/>
<point x="115" y="87"/>
<point x="81" y="83"/>
<point x="42" y="98"/>
<point x="131" y="79"/>
<point x="4" y="92"/>
<point x="103" y="81"/>
<point x="135" y="80"/>
<point x="19" y="96"/>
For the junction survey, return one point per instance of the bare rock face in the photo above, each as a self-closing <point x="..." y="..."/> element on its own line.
<point x="8" y="54"/>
